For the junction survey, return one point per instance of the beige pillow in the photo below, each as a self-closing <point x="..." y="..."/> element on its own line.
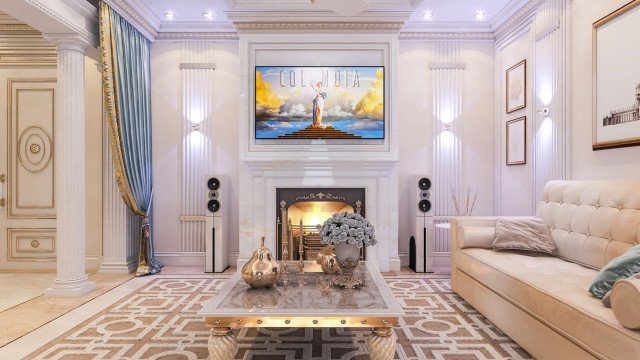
<point x="523" y="234"/>
<point x="606" y="300"/>
<point x="625" y="297"/>
<point x="475" y="237"/>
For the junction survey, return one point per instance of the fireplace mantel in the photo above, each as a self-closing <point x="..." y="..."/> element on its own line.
<point x="261" y="178"/>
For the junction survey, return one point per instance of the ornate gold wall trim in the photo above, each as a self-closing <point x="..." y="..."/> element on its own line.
<point x="17" y="28"/>
<point x="446" y="36"/>
<point x="318" y="25"/>
<point x="198" y="36"/>
<point x="43" y="234"/>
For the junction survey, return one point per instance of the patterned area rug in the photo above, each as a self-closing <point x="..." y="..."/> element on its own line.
<point x="160" y="321"/>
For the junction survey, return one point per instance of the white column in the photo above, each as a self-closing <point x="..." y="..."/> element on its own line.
<point x="69" y="160"/>
<point x="120" y="226"/>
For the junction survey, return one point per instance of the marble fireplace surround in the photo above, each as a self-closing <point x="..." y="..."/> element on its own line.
<point x="258" y="200"/>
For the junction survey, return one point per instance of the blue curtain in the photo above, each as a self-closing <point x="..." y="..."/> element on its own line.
<point x="125" y="62"/>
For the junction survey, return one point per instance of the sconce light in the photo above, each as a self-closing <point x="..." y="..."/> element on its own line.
<point x="544" y="111"/>
<point x="195" y="127"/>
<point x="447" y="126"/>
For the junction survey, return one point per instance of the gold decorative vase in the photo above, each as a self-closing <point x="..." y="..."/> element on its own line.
<point x="261" y="271"/>
<point x="348" y="256"/>
<point x="327" y="260"/>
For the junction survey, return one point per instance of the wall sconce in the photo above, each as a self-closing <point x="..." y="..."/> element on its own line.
<point x="447" y="126"/>
<point x="195" y="127"/>
<point x="544" y="111"/>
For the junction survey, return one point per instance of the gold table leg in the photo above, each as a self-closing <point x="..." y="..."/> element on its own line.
<point x="222" y="344"/>
<point x="382" y="344"/>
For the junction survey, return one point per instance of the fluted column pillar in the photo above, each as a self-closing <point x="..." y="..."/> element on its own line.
<point x="69" y="157"/>
<point x="120" y="226"/>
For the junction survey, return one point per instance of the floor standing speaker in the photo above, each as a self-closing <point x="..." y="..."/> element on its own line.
<point x="421" y="225"/>
<point x="216" y="239"/>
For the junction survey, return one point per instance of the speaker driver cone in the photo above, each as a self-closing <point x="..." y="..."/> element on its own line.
<point x="213" y="205"/>
<point x="424" y="205"/>
<point x="213" y="183"/>
<point x="424" y="184"/>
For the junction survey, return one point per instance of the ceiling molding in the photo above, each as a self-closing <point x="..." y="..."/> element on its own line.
<point x="197" y="36"/>
<point x="475" y="36"/>
<point x="25" y="49"/>
<point x="145" y="24"/>
<point x="390" y="26"/>
<point x="85" y="33"/>
<point x="527" y="10"/>
<point x="23" y="28"/>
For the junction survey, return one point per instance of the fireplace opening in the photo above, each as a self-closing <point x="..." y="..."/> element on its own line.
<point x="301" y="213"/>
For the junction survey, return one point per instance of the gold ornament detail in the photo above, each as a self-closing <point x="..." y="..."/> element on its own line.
<point x="348" y="279"/>
<point x="261" y="271"/>
<point x="327" y="260"/>
<point x="35" y="244"/>
<point x="34" y="148"/>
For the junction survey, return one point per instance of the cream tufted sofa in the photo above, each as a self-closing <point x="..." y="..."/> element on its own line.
<point x="541" y="301"/>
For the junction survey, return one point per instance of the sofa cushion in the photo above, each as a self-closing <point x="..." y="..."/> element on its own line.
<point x="592" y="222"/>
<point x="553" y="291"/>
<point x="523" y="234"/>
<point x="476" y="236"/>
<point x="622" y="267"/>
<point x="625" y="298"/>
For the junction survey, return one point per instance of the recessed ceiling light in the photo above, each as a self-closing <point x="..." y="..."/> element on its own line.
<point x="427" y="14"/>
<point x="480" y="15"/>
<point x="208" y="15"/>
<point x="169" y="15"/>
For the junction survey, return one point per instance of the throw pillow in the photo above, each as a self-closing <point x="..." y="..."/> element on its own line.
<point x="621" y="267"/>
<point x="606" y="300"/>
<point x="523" y="234"/>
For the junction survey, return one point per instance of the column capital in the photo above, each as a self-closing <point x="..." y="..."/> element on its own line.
<point x="68" y="41"/>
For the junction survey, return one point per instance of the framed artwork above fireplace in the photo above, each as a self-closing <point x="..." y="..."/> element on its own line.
<point x="319" y="102"/>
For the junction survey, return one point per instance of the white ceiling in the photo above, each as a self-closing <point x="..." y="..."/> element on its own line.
<point x="446" y="13"/>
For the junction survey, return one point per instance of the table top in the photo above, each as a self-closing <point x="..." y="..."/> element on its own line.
<point x="307" y="299"/>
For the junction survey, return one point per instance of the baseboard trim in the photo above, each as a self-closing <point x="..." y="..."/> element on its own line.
<point x="181" y="258"/>
<point x="404" y="258"/>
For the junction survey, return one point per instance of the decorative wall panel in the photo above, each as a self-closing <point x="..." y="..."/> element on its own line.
<point x="30" y="149"/>
<point x="196" y="72"/>
<point x="549" y="142"/>
<point x="31" y="244"/>
<point x="446" y="73"/>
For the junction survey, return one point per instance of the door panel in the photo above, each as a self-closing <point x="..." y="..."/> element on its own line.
<point x="27" y="224"/>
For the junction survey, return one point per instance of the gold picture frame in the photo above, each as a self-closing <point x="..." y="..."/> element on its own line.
<point x="606" y="118"/>
<point x="516" y="87"/>
<point x="516" y="136"/>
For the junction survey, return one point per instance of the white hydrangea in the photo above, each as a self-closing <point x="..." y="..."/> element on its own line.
<point x="348" y="227"/>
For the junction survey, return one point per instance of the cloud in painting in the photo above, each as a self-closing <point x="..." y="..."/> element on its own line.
<point x="266" y="100"/>
<point x="336" y="111"/>
<point x="295" y="110"/>
<point x="371" y="105"/>
<point x="366" y="125"/>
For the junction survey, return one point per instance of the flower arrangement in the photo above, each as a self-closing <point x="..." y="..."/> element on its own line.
<point x="348" y="227"/>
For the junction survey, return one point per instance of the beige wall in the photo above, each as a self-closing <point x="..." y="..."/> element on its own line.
<point x="515" y="179"/>
<point x="167" y="138"/>
<point x="416" y="125"/>
<point x="93" y="160"/>
<point x="585" y="163"/>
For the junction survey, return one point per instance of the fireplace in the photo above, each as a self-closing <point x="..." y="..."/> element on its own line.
<point x="302" y="211"/>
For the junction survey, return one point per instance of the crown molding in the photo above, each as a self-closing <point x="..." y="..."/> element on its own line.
<point x="21" y="28"/>
<point x="148" y="24"/>
<point x="26" y="49"/>
<point x="524" y="12"/>
<point x="85" y="31"/>
<point x="469" y="36"/>
<point x="194" y="36"/>
<point x="357" y="26"/>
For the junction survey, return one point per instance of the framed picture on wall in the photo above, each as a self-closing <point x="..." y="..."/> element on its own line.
<point x="517" y="87"/>
<point x="616" y="82"/>
<point x="517" y="141"/>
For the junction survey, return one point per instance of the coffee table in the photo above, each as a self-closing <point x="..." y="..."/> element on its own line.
<point x="301" y="300"/>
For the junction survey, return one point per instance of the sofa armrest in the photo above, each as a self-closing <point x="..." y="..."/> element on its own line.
<point x="625" y="297"/>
